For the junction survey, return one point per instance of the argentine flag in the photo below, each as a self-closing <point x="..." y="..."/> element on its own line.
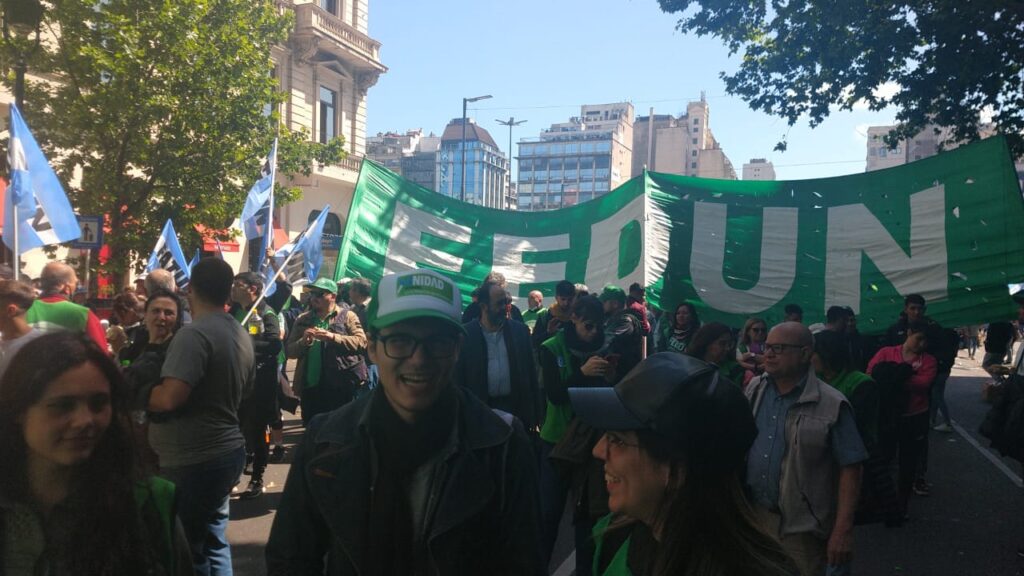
<point x="167" y="254"/>
<point x="258" y="212"/>
<point x="306" y="256"/>
<point x="44" y="214"/>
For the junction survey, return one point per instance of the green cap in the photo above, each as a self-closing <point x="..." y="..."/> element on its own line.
<point x="415" y="294"/>
<point x="612" y="292"/>
<point x="325" y="284"/>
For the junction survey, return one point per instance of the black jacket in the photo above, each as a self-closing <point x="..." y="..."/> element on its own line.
<point x="262" y="399"/>
<point x="486" y="519"/>
<point x="471" y="372"/>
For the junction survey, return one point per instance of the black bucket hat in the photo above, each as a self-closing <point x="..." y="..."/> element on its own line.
<point x="680" y="398"/>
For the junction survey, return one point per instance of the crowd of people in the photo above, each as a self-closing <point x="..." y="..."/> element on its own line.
<point x="443" y="440"/>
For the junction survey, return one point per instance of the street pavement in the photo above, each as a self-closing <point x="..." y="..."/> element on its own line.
<point x="971" y="525"/>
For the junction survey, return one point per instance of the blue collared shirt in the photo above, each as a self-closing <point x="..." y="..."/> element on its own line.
<point x="764" y="464"/>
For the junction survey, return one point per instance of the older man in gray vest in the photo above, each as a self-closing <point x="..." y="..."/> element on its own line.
<point x="806" y="494"/>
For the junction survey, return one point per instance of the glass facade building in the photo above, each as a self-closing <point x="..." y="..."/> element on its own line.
<point x="486" y="166"/>
<point x="576" y="161"/>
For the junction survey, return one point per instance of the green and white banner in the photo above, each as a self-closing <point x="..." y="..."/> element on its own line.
<point x="947" y="227"/>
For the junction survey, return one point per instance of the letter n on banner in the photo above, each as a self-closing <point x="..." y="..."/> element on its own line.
<point x="405" y="248"/>
<point x="854" y="231"/>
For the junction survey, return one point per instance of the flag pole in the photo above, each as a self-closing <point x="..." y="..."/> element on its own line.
<point x="263" y="296"/>
<point x="17" y="256"/>
<point x="283" y="266"/>
<point x="269" y="234"/>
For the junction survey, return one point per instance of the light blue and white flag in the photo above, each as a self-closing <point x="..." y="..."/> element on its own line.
<point x="167" y="254"/>
<point x="306" y="256"/>
<point x="44" y="213"/>
<point x="195" y="260"/>
<point x="258" y="213"/>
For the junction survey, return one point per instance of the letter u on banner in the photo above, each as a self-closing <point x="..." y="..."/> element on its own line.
<point x="778" y="259"/>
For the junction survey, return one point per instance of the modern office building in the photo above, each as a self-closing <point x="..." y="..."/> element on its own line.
<point x="680" y="145"/>
<point x="578" y="160"/>
<point x="758" y="169"/>
<point x="486" y="166"/>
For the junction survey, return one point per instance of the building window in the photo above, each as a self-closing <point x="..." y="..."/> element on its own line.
<point x="328" y="120"/>
<point x="693" y="153"/>
<point x="696" y="121"/>
<point x="330" y="6"/>
<point x="694" y="140"/>
<point x="693" y="165"/>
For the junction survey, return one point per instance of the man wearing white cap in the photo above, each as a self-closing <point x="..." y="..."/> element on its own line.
<point x="418" y="477"/>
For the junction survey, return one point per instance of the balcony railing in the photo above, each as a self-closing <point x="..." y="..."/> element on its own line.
<point x="311" y="17"/>
<point x="351" y="162"/>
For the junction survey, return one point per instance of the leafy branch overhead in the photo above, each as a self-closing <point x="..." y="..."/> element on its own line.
<point x="159" y="110"/>
<point x="950" y="63"/>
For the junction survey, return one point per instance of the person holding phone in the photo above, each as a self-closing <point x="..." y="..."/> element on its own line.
<point x="750" y="350"/>
<point x="623" y="333"/>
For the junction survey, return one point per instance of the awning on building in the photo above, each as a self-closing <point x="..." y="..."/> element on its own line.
<point x="211" y="244"/>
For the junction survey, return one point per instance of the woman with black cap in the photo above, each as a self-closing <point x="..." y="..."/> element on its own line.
<point x="676" y="437"/>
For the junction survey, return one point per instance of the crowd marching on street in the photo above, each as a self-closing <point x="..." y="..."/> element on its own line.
<point x="444" y="440"/>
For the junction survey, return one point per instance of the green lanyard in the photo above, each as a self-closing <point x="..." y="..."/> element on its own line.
<point x="315" y="357"/>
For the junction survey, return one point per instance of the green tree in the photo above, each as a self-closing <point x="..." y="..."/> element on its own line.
<point x="951" y="59"/>
<point x="159" y="108"/>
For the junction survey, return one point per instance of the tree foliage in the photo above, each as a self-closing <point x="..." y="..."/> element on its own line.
<point x="157" y="110"/>
<point x="950" y="59"/>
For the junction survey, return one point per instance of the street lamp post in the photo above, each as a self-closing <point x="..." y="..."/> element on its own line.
<point x="511" y="122"/>
<point x="462" y="148"/>
<point x="22" y="19"/>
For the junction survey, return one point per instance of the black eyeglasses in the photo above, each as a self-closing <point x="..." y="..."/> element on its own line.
<point x="780" y="348"/>
<point x="614" y="441"/>
<point x="402" y="346"/>
<point x="317" y="294"/>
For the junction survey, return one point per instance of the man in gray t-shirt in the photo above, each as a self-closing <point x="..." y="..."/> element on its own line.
<point x="209" y="367"/>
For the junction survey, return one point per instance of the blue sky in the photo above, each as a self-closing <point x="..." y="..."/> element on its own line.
<point x="541" y="60"/>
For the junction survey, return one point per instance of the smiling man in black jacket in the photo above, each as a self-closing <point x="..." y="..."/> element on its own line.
<point x="419" y="477"/>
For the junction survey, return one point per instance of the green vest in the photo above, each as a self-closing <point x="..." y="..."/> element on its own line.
<point x="161" y="493"/>
<point x="619" y="565"/>
<point x="530" y="317"/>
<point x="557" y="418"/>
<point x="847" y="383"/>
<point x="61" y="315"/>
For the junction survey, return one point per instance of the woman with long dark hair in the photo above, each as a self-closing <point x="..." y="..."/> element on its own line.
<point x="678" y="329"/>
<point x="715" y="344"/>
<point x="71" y="499"/>
<point x="676" y="437"/>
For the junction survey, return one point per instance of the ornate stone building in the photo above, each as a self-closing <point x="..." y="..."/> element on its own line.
<point x="327" y="67"/>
